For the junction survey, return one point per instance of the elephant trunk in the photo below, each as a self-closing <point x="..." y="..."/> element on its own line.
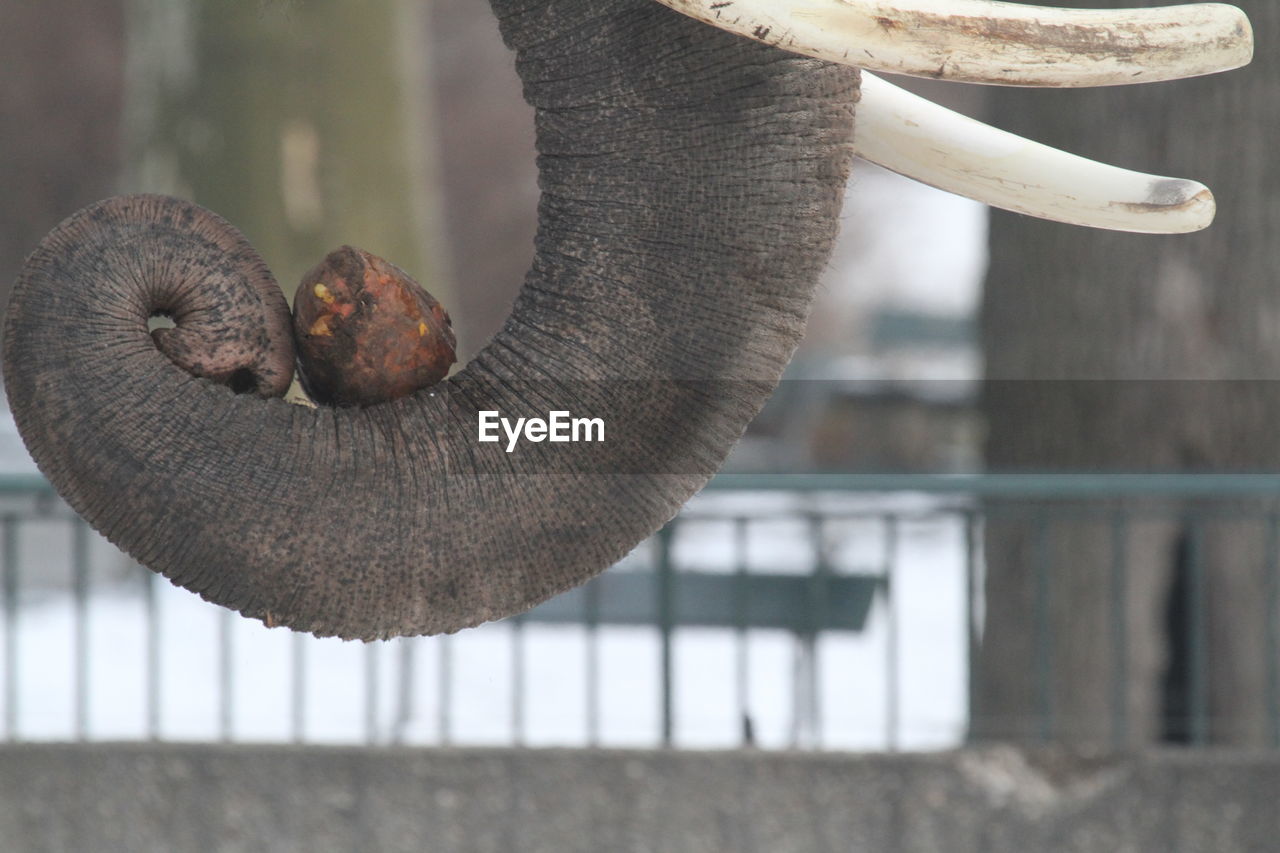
<point x="691" y="182"/>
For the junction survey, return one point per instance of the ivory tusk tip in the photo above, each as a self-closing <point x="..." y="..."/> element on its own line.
<point x="1174" y="206"/>
<point x="1233" y="32"/>
<point x="913" y="137"/>
<point x="1244" y="36"/>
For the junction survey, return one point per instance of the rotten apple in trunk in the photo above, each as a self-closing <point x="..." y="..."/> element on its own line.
<point x="366" y="332"/>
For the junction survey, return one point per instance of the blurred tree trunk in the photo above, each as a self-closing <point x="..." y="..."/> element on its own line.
<point x="1166" y="322"/>
<point x="298" y="122"/>
<point x="60" y="99"/>
<point x="487" y="175"/>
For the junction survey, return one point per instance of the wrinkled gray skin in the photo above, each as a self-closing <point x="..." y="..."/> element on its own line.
<point x="691" y="182"/>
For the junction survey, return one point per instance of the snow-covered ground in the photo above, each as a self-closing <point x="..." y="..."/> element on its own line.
<point x="217" y="675"/>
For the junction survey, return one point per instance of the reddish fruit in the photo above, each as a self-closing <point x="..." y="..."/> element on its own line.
<point x="367" y="332"/>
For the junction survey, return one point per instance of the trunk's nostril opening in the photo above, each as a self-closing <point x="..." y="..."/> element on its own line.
<point x="242" y="381"/>
<point x="160" y="320"/>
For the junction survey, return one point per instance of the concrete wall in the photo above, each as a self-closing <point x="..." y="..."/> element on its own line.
<point x="177" y="798"/>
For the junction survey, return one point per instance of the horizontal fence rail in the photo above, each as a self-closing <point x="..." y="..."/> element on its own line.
<point x="817" y="611"/>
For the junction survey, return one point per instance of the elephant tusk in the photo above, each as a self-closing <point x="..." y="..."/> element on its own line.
<point x="917" y="138"/>
<point x="985" y="41"/>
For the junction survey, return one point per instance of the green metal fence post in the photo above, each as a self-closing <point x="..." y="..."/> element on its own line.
<point x="152" y="683"/>
<point x="226" y="675"/>
<point x="892" y="662"/>
<point x="297" y="690"/>
<point x="741" y="603"/>
<point x="1120" y="628"/>
<point x="818" y="592"/>
<point x="406" y="691"/>
<point x="80" y="638"/>
<point x="444" y="691"/>
<point x="591" y="622"/>
<point x="666" y="622"/>
<point x="971" y="581"/>
<point x="1043" y="629"/>
<point x="1273" y="625"/>
<point x="371" y="679"/>
<point x="10" y="583"/>
<point x="517" y="680"/>
<point x="1198" y="687"/>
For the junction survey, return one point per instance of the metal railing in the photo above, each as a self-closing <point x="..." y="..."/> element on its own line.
<point x="1214" y="529"/>
<point x="824" y="611"/>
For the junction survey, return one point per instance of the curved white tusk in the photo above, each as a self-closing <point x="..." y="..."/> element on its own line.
<point x="985" y="41"/>
<point x="917" y="138"/>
